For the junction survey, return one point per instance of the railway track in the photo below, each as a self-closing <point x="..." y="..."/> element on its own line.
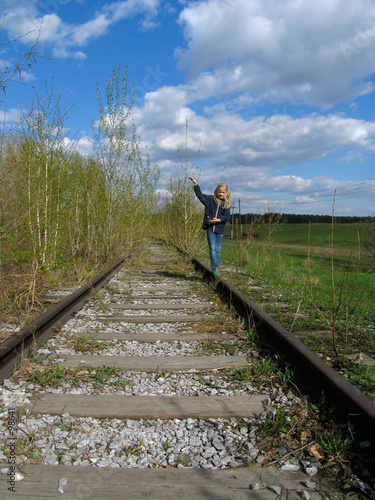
<point x="144" y="393"/>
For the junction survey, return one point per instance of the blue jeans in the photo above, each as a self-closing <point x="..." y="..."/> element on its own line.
<point x="214" y="245"/>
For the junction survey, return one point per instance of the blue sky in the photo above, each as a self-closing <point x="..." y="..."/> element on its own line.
<point x="280" y="94"/>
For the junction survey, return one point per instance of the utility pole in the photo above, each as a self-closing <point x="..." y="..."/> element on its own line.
<point x="239" y="210"/>
<point x="231" y="232"/>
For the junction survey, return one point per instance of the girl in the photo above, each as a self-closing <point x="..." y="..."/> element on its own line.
<point x="216" y="214"/>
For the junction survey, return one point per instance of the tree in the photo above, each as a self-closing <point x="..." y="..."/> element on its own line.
<point x="7" y="77"/>
<point x="45" y="151"/>
<point x="130" y="177"/>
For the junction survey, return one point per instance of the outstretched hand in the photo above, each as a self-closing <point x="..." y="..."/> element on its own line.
<point x="193" y="180"/>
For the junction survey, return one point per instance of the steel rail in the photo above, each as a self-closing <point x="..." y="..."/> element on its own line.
<point x="315" y="374"/>
<point x="25" y="342"/>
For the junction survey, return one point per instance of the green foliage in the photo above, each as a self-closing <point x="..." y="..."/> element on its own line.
<point x="282" y="275"/>
<point x="101" y="374"/>
<point x="275" y="422"/>
<point x="361" y="376"/>
<point x="59" y="210"/>
<point x="334" y="444"/>
<point x="52" y="377"/>
<point x="182" y="459"/>
<point x="130" y="181"/>
<point x="132" y="450"/>
<point x="84" y="344"/>
<point x="244" y="374"/>
<point x="264" y="372"/>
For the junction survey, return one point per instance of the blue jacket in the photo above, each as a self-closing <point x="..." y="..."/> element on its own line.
<point x="212" y="209"/>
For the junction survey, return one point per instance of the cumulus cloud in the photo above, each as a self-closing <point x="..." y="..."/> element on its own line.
<point x="281" y="50"/>
<point x="248" y="152"/>
<point x="253" y="142"/>
<point x="28" y="20"/>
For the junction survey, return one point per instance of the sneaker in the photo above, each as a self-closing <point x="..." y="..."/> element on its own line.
<point x="216" y="271"/>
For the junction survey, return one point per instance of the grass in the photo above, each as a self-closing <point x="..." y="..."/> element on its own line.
<point x="182" y="459"/>
<point x="264" y="373"/>
<point x="51" y="377"/>
<point x="362" y="376"/>
<point x="224" y="348"/>
<point x="333" y="291"/>
<point x="313" y="279"/>
<point x="334" y="444"/>
<point x="86" y="345"/>
<point x="275" y="424"/>
<point x="55" y="376"/>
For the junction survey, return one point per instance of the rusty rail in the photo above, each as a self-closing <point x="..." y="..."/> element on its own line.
<point x="25" y="342"/>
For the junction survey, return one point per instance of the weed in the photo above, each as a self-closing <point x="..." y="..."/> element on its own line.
<point x="263" y="373"/>
<point x="85" y="345"/>
<point x="276" y="423"/>
<point x="66" y="425"/>
<point x="263" y="368"/>
<point x="132" y="450"/>
<point x="52" y="377"/>
<point x="113" y="289"/>
<point x="207" y="346"/>
<point x="362" y="376"/>
<point x="242" y="244"/>
<point x="121" y="383"/>
<point x="285" y="376"/>
<point x="208" y="382"/>
<point x="103" y="307"/>
<point x="245" y="374"/>
<point x="343" y="297"/>
<point x="38" y="359"/>
<point x="182" y="459"/>
<point x="232" y="348"/>
<point x="213" y="321"/>
<point x="101" y="374"/>
<point x="26" y="447"/>
<point x="334" y="444"/>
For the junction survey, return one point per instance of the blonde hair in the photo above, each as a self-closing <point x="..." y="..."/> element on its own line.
<point x="228" y="196"/>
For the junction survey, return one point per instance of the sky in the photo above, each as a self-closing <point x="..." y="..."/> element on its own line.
<point x="279" y="95"/>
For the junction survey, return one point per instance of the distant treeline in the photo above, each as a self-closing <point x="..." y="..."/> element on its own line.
<point x="304" y="218"/>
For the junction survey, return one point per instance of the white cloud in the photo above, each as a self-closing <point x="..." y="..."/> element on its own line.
<point x="248" y="153"/>
<point x="85" y="146"/>
<point x="10" y="117"/>
<point x="251" y="142"/>
<point x="91" y="29"/>
<point x="24" y="18"/>
<point x="315" y="52"/>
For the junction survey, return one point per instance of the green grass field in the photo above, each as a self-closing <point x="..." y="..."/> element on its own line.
<point x="331" y="284"/>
